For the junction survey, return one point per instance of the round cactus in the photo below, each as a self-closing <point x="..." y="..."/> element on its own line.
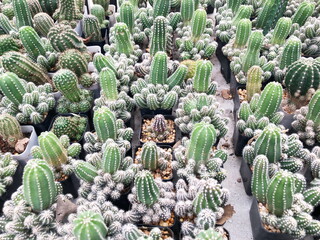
<point x="209" y="234"/>
<point x="260" y="178"/>
<point x="91" y="28"/>
<point x="10" y="129"/>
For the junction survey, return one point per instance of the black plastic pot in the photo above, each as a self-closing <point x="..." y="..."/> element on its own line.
<point x="44" y="126"/>
<point x="123" y="202"/>
<point x="224" y="61"/>
<point x="239" y="142"/>
<point x="177" y="130"/>
<point x="246" y="176"/>
<point x="71" y="185"/>
<point x="17" y="182"/>
<point x="287" y="121"/>
<point x="226" y="231"/>
<point x="210" y="9"/>
<point x="145" y="111"/>
<point x="258" y="231"/>
<point x="161" y="228"/>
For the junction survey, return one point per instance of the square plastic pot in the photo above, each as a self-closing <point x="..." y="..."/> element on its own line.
<point x="224" y="61"/>
<point x="246" y="176"/>
<point x="71" y="185"/>
<point x="239" y="142"/>
<point x="33" y="141"/>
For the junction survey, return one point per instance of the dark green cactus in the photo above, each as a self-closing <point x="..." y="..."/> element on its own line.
<point x="161" y="8"/>
<point x="49" y="6"/>
<point x="304" y="11"/>
<point x="281" y="31"/>
<point x="234" y="5"/>
<point x="68" y="12"/>
<point x="187" y="7"/>
<point x="22" y="13"/>
<point x="32" y="42"/>
<point x="91" y="28"/>
<point x="12" y="87"/>
<point x="105" y="124"/>
<point x="291" y="52"/>
<point x="146" y="189"/>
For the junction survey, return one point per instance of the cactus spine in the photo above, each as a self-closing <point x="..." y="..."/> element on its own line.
<point x="304" y="11"/>
<point x="254" y="81"/>
<point x="6" y="25"/>
<point x="12" y="87"/>
<point x="89" y="225"/>
<point x="159" y="69"/>
<point x="291" y="52"/>
<point x="122" y="36"/>
<point x="281" y="31"/>
<point x="91" y="28"/>
<point x="42" y="23"/>
<point x="108" y="83"/>
<point x="49" y="6"/>
<point x="280" y="192"/>
<point x="252" y="55"/>
<point x="161" y="8"/>
<point x="111" y="158"/>
<point x="101" y="61"/>
<point x="187" y="8"/>
<point x="39" y="187"/>
<point x="73" y="60"/>
<point x="105" y="124"/>
<point x="52" y="150"/>
<point x="202" y="77"/>
<point x="260" y="178"/>
<point x="22" y="13"/>
<point x="10" y="129"/>
<point x="242" y="33"/>
<point x="31" y="42"/>
<point x="149" y="156"/>
<point x="159" y="35"/>
<point x="127" y="15"/>
<point x="98" y="11"/>
<point x="203" y="136"/>
<point x="198" y="24"/>
<point x="146" y="188"/>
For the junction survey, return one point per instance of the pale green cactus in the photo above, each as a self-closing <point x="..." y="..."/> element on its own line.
<point x="122" y="38"/>
<point x="202" y="77"/>
<point x="254" y="82"/>
<point x="150" y="156"/>
<point x="198" y="24"/>
<point x="252" y="55"/>
<point x="209" y="234"/>
<point x="159" y="68"/>
<point x="260" y="178"/>
<point x="98" y="11"/>
<point x="304" y="11"/>
<point x="91" y="28"/>
<point x="281" y="31"/>
<point x="105" y="124"/>
<point x="10" y="129"/>
<point x="161" y="8"/>
<point x="187" y="8"/>
<point x="243" y="12"/>
<point x="127" y="15"/>
<point x="242" y="33"/>
<point x="291" y="52"/>
<point x="108" y="83"/>
<point x="111" y="158"/>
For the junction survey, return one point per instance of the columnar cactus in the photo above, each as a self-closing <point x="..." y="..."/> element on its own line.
<point x="252" y="55"/>
<point x="105" y="124"/>
<point x="68" y="12"/>
<point x="98" y="11"/>
<point x="199" y="147"/>
<point x="254" y="82"/>
<point x="242" y="33"/>
<point x="10" y="129"/>
<point x="146" y="188"/>
<point x="304" y="11"/>
<point x="161" y="8"/>
<point x="22" y="66"/>
<point x="244" y="12"/>
<point x="198" y="24"/>
<point x="34" y="7"/>
<point x="103" y="3"/>
<point x="32" y="42"/>
<point x="85" y="171"/>
<point x="187" y="8"/>
<point x="280" y="192"/>
<point x="42" y="23"/>
<point x="281" y="31"/>
<point x="260" y="178"/>
<point x="22" y="13"/>
<point x="108" y="83"/>
<point x="39" y="188"/>
<point x="202" y="77"/>
<point x="89" y="226"/>
<point x="49" y="6"/>
<point x="6" y="25"/>
<point x="159" y="68"/>
<point x="12" y="87"/>
<point x="159" y="35"/>
<point x="291" y="52"/>
<point x="111" y="158"/>
<point x="150" y="156"/>
<point x="72" y="126"/>
<point x="301" y="78"/>
<point x="91" y="28"/>
<point x="234" y="5"/>
<point x="127" y="15"/>
<point x="122" y="37"/>
<point x="9" y="166"/>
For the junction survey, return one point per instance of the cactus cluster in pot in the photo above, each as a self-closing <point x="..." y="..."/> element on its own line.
<point x="10" y="130"/>
<point x="98" y="11"/>
<point x="27" y="102"/>
<point x="68" y="12"/>
<point x="132" y="232"/>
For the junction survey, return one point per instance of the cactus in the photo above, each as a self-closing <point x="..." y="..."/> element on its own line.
<point x="9" y="166"/>
<point x="122" y="37"/>
<point x="202" y="77"/>
<point x="49" y="6"/>
<point x="291" y="52"/>
<point x="6" y="25"/>
<point x="159" y="35"/>
<point x="161" y="8"/>
<point x="234" y="5"/>
<point x="101" y="61"/>
<point x="67" y="12"/>
<point x="244" y="12"/>
<point x="39" y="188"/>
<point x="91" y="28"/>
<point x="103" y="3"/>
<point x="198" y="24"/>
<point x="242" y="33"/>
<point x="254" y="82"/>
<point x="209" y="234"/>
<point x="159" y="68"/>
<point x="105" y="124"/>
<point x="304" y="11"/>
<point x="280" y="192"/>
<point x="19" y="64"/>
<point x="146" y="189"/>
<point x="22" y="13"/>
<point x="89" y="225"/>
<point x="31" y="42"/>
<point x="150" y="156"/>
<point x="98" y="11"/>
<point x="159" y="127"/>
<point x="10" y="129"/>
<point x="111" y="158"/>
<point x="12" y="87"/>
<point x="127" y="15"/>
<point x="72" y="126"/>
<point x="8" y="43"/>
<point x="252" y="55"/>
<point x="108" y="83"/>
<point x="85" y="171"/>
<point x="34" y="7"/>
<point x="187" y="8"/>
<point x="42" y="23"/>
<point x="199" y="148"/>
<point x="260" y="178"/>
<point x="281" y="31"/>
<point x="301" y="76"/>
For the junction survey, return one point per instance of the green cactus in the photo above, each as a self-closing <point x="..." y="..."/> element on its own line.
<point x="34" y="7"/>
<point x="234" y="5"/>
<point x="159" y="35"/>
<point x="161" y="8"/>
<point x="42" y="23"/>
<point x="127" y="15"/>
<point x="39" y="188"/>
<point x="199" y="147"/>
<point x="8" y="43"/>
<point x="254" y="82"/>
<point x="26" y="69"/>
<point x="260" y="178"/>
<point x="89" y="225"/>
<point x="101" y="61"/>
<point x="32" y="42"/>
<point x="91" y="28"/>
<point x="72" y="126"/>
<point x="123" y="41"/>
<point x="281" y="31"/>
<point x="208" y="197"/>
<point x="269" y="143"/>
<point x="301" y="76"/>
<point x="49" y="6"/>
<point x="146" y="189"/>
<point x="66" y="82"/>
<point x="10" y="129"/>
<point x="177" y="78"/>
<point x="52" y="150"/>
<point x="313" y="110"/>
<point x="244" y="12"/>
<point x="252" y="54"/>
<point x="312" y="196"/>
<point x="111" y="158"/>
<point x="280" y="192"/>
<point x="104" y="122"/>
<point x="198" y="24"/>
<point x="159" y="69"/>
<point x="202" y="77"/>
<point x="12" y="87"/>
<point x="85" y="171"/>
<point x="108" y="83"/>
<point x="22" y="13"/>
<point x="150" y="156"/>
<point x="103" y="3"/>
<point x="291" y="52"/>
<point x="68" y="12"/>
<point x="304" y="11"/>
<point x="209" y="234"/>
<point x="187" y="7"/>
<point x="98" y="11"/>
<point x="6" y="25"/>
<point x="242" y="33"/>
